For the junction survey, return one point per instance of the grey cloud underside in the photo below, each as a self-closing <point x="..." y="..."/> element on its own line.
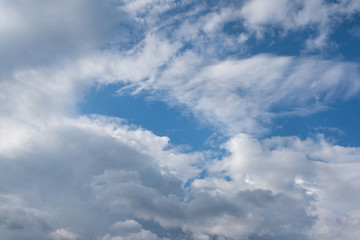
<point x="67" y="177"/>
<point x="84" y="179"/>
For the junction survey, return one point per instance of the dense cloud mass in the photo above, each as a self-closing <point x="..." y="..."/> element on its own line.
<point x="65" y="175"/>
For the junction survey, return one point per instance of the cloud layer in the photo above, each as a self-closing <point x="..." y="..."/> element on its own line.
<point x="68" y="176"/>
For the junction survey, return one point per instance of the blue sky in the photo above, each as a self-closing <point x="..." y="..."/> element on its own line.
<point x="179" y="119"/>
<point x="154" y="115"/>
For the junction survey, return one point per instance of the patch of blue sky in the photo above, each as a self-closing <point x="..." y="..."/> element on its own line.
<point x="234" y="27"/>
<point x="344" y="41"/>
<point x="341" y="120"/>
<point x="340" y="123"/>
<point x="347" y="39"/>
<point x="124" y="36"/>
<point x="158" y="117"/>
<point x="277" y="42"/>
<point x="216" y="4"/>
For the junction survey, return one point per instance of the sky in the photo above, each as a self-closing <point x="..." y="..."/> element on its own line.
<point x="179" y="119"/>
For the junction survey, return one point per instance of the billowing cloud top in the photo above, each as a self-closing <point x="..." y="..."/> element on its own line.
<point x="242" y="70"/>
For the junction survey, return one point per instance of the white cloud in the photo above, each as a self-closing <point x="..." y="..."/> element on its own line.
<point x="318" y="15"/>
<point x="88" y="177"/>
<point x="332" y="227"/>
<point x="54" y="172"/>
<point x="311" y="159"/>
<point x="143" y="234"/>
<point x="244" y="214"/>
<point x="240" y="95"/>
<point x="259" y="12"/>
<point x="99" y="163"/>
<point x="63" y="234"/>
<point x="146" y="11"/>
<point x="322" y="170"/>
<point x="129" y="230"/>
<point x="253" y="86"/>
<point x="270" y="184"/>
<point x="41" y="32"/>
<point x="129" y="225"/>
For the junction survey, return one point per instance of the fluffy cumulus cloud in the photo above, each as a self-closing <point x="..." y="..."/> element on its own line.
<point x="69" y="176"/>
<point x="129" y="229"/>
